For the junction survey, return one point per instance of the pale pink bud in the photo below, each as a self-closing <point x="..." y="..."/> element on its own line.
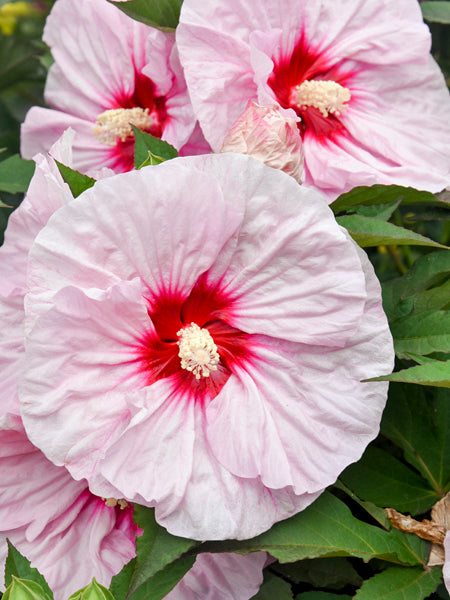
<point x="264" y="133"/>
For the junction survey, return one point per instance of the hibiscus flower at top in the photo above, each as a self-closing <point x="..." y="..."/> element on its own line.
<point x="372" y="105"/>
<point x="199" y="331"/>
<point x="109" y="71"/>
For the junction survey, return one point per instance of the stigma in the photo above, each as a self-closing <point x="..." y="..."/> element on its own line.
<point x="198" y="352"/>
<point x="327" y="96"/>
<point x="115" y="124"/>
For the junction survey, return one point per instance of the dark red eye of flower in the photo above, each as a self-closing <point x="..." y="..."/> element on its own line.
<point x="143" y="109"/>
<point x="316" y="91"/>
<point x="192" y="341"/>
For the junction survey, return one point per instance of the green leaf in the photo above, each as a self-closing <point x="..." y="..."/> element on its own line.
<point x="76" y="181"/>
<point x="378" y="211"/>
<point x="434" y="299"/>
<point x="18" y="62"/>
<point x="150" y="150"/>
<point x="427" y="271"/>
<point x="420" y="426"/>
<point x="120" y="583"/>
<point x="326" y="528"/>
<point x="19" y="566"/>
<point x="334" y="573"/>
<point x="322" y="596"/>
<point x="373" y="232"/>
<point x="400" y="583"/>
<point x="383" y="194"/>
<point x="158" y="586"/>
<point x="163" y="14"/>
<point x="436" y="11"/>
<point x="384" y="480"/>
<point x="156" y="548"/>
<point x="435" y="373"/>
<point x="24" y="589"/>
<point x="274" y="587"/>
<point x="422" y="334"/>
<point x="16" y="174"/>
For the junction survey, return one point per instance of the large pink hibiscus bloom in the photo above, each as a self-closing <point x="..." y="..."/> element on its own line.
<point x="371" y="102"/>
<point x="109" y="70"/>
<point x="199" y="335"/>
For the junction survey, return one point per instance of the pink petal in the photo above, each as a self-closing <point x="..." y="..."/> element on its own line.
<point x="221" y="577"/>
<point x="446" y="568"/>
<point x="66" y="532"/>
<point x="301" y="415"/>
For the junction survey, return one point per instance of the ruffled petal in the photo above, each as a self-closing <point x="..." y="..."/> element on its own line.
<point x="298" y="415"/>
<point x="221" y="577"/>
<point x="136" y="224"/>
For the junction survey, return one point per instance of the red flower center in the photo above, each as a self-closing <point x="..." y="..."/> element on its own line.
<point x="209" y="308"/>
<point x="143" y="98"/>
<point x="307" y="64"/>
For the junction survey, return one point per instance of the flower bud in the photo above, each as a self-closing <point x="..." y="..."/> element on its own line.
<point x="264" y="133"/>
<point x="93" y="591"/>
<point x="24" y="589"/>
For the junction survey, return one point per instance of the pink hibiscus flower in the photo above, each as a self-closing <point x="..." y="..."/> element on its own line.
<point x="109" y="71"/>
<point x="66" y="532"/>
<point x="199" y="333"/>
<point x="371" y="104"/>
<point x="446" y="567"/>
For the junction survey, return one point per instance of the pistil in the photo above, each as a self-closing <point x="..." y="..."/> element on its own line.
<point x="327" y="96"/>
<point x="198" y="352"/>
<point x="115" y="124"/>
<point x="111" y="502"/>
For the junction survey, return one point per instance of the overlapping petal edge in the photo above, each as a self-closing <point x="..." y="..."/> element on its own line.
<point x="378" y="51"/>
<point x="214" y="239"/>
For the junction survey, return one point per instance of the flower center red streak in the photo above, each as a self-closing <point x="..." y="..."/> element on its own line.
<point x="209" y="308"/>
<point x="306" y="63"/>
<point x="144" y="97"/>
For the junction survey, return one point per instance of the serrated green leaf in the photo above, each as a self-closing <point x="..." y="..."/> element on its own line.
<point x="163" y="14"/>
<point x="383" y="194"/>
<point x="155" y="549"/>
<point x="384" y="480"/>
<point x="158" y="586"/>
<point x="76" y="181"/>
<point x="16" y="174"/>
<point x="422" y="334"/>
<point x="435" y="373"/>
<point x="400" y="583"/>
<point x="19" y="566"/>
<point x="420" y="426"/>
<point x="120" y="583"/>
<point x="373" y="232"/>
<point x="147" y="148"/>
<point x="274" y="587"/>
<point x="437" y="11"/>
<point x="428" y="271"/>
<point x="326" y="528"/>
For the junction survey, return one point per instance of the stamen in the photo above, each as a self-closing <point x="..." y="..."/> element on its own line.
<point x="116" y="124"/>
<point x="327" y="96"/>
<point x="111" y="502"/>
<point x="198" y="351"/>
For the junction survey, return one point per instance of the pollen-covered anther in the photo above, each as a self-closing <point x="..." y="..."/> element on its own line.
<point x="112" y="502"/>
<point x="326" y="96"/>
<point x="115" y="124"/>
<point x="198" y="352"/>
